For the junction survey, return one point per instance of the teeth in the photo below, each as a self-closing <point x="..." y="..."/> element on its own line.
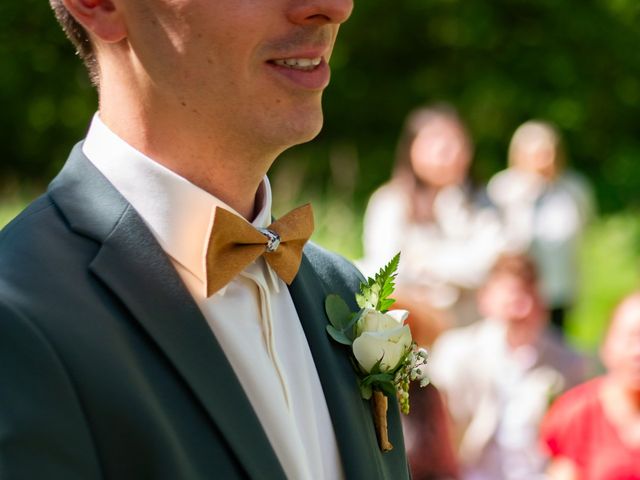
<point x="299" y="63"/>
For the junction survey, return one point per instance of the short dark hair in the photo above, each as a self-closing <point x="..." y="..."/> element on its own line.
<point x="79" y="37"/>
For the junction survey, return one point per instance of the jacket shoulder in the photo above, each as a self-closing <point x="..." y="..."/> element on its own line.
<point x="37" y="250"/>
<point x="23" y="241"/>
<point x="32" y="229"/>
<point x="334" y="270"/>
<point x="38" y="208"/>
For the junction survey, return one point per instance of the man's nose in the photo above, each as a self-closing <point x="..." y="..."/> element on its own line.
<point x="320" y="12"/>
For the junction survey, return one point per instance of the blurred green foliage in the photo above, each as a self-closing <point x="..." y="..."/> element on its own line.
<point x="610" y="256"/>
<point x="9" y="208"/>
<point x="501" y="62"/>
<point x="45" y="96"/>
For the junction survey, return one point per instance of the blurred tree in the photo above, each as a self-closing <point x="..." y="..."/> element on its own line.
<point x="501" y="62"/>
<point x="46" y="98"/>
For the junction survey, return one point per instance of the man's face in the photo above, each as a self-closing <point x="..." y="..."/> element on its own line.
<point x="253" y="70"/>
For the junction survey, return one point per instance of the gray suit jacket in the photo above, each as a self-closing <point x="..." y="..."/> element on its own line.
<point x="109" y="370"/>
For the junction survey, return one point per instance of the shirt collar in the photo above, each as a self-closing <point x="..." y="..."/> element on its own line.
<point x="178" y="213"/>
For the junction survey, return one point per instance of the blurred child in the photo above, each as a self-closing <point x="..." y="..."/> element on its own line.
<point x="545" y="208"/>
<point x="430" y="211"/>
<point x="499" y="375"/>
<point x="593" y="431"/>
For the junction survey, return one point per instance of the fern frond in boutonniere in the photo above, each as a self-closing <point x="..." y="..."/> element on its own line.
<point x="383" y="352"/>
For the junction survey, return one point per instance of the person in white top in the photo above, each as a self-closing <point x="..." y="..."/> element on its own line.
<point x="430" y="210"/>
<point x="499" y="375"/>
<point x="545" y="208"/>
<point x="116" y="359"/>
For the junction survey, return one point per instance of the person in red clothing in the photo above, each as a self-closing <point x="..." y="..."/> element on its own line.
<point x="593" y="431"/>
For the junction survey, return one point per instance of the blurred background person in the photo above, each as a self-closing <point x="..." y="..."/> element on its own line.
<point x="593" y="431"/>
<point x="434" y="215"/>
<point x="544" y="207"/>
<point x="498" y="375"/>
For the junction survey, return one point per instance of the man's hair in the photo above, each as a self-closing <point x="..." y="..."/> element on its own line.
<point x="79" y="37"/>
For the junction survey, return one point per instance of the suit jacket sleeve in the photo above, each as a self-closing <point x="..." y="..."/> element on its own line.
<point x="43" y="433"/>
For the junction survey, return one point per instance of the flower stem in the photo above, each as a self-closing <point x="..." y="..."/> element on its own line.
<point x="380" y="405"/>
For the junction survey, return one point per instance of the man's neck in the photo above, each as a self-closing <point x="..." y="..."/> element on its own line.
<point x="229" y="168"/>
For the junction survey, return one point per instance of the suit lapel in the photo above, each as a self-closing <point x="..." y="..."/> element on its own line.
<point x="350" y="415"/>
<point x="133" y="266"/>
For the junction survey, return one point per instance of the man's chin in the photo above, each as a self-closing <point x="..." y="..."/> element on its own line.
<point x="305" y="128"/>
<point x="290" y="127"/>
<point x="310" y="135"/>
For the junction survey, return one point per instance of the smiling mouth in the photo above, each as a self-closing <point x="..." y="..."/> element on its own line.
<point x="304" y="64"/>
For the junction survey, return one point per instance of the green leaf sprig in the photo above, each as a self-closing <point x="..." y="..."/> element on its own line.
<point x="341" y="318"/>
<point x="374" y="293"/>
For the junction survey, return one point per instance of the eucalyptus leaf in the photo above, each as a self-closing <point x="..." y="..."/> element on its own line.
<point x="338" y="311"/>
<point x="338" y="335"/>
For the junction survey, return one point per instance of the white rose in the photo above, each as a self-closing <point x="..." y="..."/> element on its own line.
<point x="381" y="336"/>
<point x="374" y="321"/>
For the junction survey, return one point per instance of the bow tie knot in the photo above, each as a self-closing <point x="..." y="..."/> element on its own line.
<point x="235" y="243"/>
<point x="273" y="239"/>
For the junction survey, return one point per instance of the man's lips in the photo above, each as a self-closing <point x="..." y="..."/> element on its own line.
<point x="305" y="64"/>
<point x="309" y="71"/>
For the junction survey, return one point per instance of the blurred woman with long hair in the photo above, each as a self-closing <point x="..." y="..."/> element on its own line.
<point x="431" y="212"/>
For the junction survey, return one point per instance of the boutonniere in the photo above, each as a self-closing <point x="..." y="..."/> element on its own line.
<point x="383" y="352"/>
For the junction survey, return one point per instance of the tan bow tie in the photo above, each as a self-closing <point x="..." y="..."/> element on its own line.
<point x="235" y="243"/>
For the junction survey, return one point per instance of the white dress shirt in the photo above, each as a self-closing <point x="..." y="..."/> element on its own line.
<point x="253" y="317"/>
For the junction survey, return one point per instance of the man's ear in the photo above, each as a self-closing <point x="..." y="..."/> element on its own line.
<point x="101" y="18"/>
